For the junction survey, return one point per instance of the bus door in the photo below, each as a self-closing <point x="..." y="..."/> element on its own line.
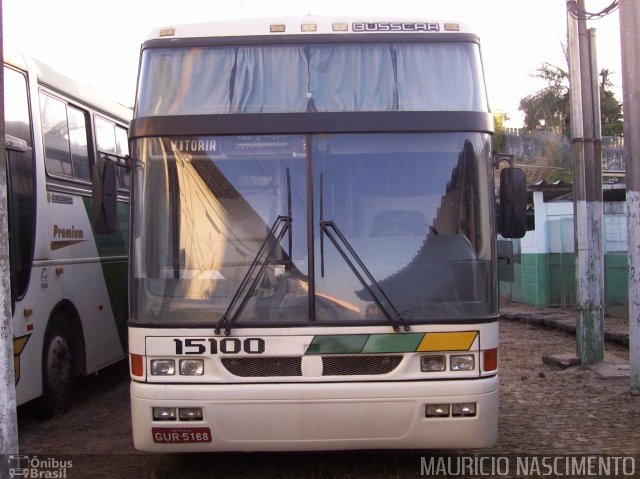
<point x="21" y="211"/>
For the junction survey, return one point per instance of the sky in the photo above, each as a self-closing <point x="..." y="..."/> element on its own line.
<point x="98" y="43"/>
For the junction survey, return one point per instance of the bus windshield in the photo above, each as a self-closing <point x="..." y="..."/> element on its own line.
<point x="438" y="76"/>
<point x="280" y="225"/>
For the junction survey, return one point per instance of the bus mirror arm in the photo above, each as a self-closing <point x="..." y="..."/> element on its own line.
<point x="103" y="176"/>
<point x="512" y="208"/>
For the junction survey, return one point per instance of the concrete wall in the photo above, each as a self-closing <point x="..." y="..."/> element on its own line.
<point x="544" y="272"/>
<point x="530" y="146"/>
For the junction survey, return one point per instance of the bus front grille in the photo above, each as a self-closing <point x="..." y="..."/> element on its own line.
<point x="264" y="367"/>
<point x="360" y="365"/>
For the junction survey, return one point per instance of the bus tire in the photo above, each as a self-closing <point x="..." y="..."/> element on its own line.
<point x="58" y="371"/>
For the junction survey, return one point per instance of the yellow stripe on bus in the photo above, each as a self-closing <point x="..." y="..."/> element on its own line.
<point x="450" y="341"/>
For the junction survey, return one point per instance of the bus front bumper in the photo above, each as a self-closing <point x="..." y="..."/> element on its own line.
<point x="315" y="416"/>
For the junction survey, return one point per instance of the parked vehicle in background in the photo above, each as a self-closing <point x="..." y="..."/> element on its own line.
<point x="68" y="282"/>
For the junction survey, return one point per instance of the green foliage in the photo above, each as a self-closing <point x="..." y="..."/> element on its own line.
<point x="611" y="109"/>
<point x="499" y="119"/>
<point x="549" y="108"/>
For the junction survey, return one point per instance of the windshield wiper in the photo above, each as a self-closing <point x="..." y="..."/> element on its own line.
<point x="332" y="231"/>
<point x="280" y="226"/>
<point x="391" y="313"/>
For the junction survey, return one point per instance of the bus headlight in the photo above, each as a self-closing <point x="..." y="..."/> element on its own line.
<point x="437" y="410"/>
<point x="191" y="367"/>
<point x="190" y="413"/>
<point x="463" y="362"/>
<point x="163" y="367"/>
<point x="463" y="410"/>
<point x="430" y="364"/>
<point x="164" y="414"/>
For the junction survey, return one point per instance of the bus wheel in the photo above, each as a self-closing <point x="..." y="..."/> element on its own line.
<point x="57" y="370"/>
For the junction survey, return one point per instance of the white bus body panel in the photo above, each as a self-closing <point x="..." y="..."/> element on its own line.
<point x="74" y="274"/>
<point x="324" y="416"/>
<point x="309" y="412"/>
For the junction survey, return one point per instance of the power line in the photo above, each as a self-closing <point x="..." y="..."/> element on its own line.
<point x="581" y="14"/>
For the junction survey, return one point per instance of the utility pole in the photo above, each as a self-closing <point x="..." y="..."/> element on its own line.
<point x="597" y="148"/>
<point x="577" y="156"/>
<point x="630" y="41"/>
<point x="8" y="418"/>
<point x="587" y="191"/>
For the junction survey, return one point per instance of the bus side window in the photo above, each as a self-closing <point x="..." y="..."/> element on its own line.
<point x="78" y="143"/>
<point x="65" y="138"/>
<point x="56" y="136"/>
<point x="122" y="150"/>
<point x="113" y="143"/>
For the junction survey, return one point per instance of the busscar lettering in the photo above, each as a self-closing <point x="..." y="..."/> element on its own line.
<point x="395" y="27"/>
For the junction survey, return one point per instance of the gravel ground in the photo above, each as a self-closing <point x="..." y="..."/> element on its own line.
<point x="543" y="410"/>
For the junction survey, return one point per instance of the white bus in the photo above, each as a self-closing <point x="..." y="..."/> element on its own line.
<point x="313" y="257"/>
<point x="68" y="283"/>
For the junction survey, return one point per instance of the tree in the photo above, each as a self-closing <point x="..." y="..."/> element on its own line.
<point x="549" y="108"/>
<point x="499" y="119"/>
<point x="611" y="109"/>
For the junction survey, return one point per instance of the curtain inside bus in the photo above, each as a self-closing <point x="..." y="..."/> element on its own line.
<point x="324" y="78"/>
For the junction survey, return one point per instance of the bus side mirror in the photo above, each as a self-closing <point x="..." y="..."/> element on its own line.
<point x="104" y="197"/>
<point x="512" y="211"/>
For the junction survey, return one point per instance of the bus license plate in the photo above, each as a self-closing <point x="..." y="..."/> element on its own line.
<point x="175" y="435"/>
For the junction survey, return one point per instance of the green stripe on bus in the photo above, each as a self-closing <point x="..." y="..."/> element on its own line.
<point x="115" y="272"/>
<point x="342" y="344"/>
<point x="392" y="343"/>
<point x="112" y="244"/>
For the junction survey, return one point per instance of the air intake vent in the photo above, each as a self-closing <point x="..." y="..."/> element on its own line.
<point x="263" y="367"/>
<point x="359" y="365"/>
<point x="292" y="366"/>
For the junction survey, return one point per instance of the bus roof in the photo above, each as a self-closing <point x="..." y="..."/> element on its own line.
<point x="306" y="25"/>
<point x="57" y="81"/>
